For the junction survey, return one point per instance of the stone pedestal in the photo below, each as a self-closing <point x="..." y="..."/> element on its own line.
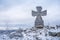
<point x="39" y="26"/>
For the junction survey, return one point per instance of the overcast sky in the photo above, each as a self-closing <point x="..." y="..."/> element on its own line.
<point x="19" y="11"/>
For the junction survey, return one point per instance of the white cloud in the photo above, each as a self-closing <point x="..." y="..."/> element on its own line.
<point x="18" y="14"/>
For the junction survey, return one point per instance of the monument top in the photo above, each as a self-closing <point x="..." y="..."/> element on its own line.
<point x="39" y="8"/>
<point x="39" y="12"/>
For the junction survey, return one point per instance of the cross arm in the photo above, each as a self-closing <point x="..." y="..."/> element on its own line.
<point x="44" y="13"/>
<point x="34" y="13"/>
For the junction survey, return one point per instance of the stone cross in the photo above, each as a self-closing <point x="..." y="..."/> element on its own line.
<point x="39" y="13"/>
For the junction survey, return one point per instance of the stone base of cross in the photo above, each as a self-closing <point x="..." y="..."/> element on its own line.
<point x="39" y="26"/>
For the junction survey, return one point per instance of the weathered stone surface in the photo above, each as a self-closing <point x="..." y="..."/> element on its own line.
<point x="58" y="34"/>
<point x="39" y="21"/>
<point x="52" y="34"/>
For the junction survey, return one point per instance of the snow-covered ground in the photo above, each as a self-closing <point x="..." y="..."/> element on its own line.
<point x="29" y="34"/>
<point x="5" y="37"/>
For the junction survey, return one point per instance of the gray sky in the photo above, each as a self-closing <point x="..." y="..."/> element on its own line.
<point x="19" y="11"/>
